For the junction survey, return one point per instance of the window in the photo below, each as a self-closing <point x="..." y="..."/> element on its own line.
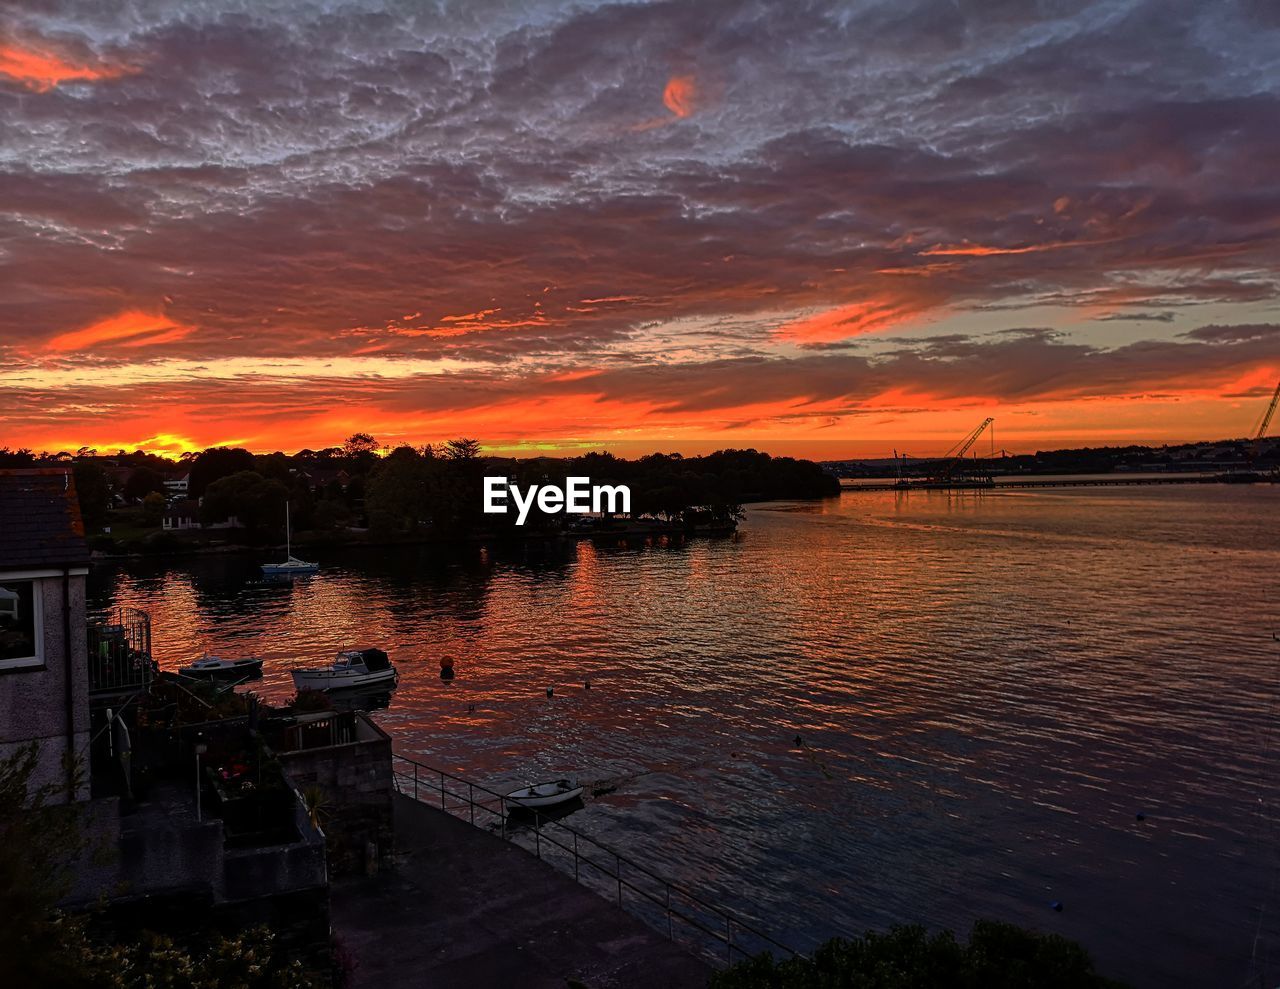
<point x="20" y="638"/>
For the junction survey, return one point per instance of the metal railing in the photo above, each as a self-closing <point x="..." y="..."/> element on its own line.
<point x="118" y="646"/>
<point x="655" y="900"/>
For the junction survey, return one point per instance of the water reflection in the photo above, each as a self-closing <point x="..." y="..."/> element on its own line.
<point x="988" y="685"/>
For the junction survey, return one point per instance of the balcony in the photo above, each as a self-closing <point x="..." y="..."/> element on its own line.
<point x="119" y="648"/>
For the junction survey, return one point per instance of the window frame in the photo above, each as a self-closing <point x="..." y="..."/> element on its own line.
<point x="36" y="661"/>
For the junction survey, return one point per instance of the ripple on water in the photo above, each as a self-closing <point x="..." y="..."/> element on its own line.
<point x="989" y="686"/>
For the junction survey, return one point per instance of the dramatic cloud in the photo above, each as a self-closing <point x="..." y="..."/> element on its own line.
<point x="592" y="220"/>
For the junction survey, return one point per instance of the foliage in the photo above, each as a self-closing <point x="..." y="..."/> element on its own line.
<point x="247" y="960"/>
<point x="16" y="459"/>
<point x="462" y="449"/>
<point x="440" y="487"/>
<point x="153" y="508"/>
<point x="93" y="488"/>
<point x="214" y="464"/>
<point x="258" y="503"/>
<point x="38" y="842"/>
<point x="142" y="482"/>
<point x="997" y="956"/>
<point x="361" y="452"/>
<point x="170" y="704"/>
<point x="310" y="701"/>
<point x="316" y="802"/>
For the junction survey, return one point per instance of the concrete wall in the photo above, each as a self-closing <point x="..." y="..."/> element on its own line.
<point x="33" y="702"/>
<point x="161" y="848"/>
<point x="357" y="783"/>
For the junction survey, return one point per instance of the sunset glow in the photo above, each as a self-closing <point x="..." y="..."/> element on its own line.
<point x="41" y="70"/>
<point x="717" y="232"/>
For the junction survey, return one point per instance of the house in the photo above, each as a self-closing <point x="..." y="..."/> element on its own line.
<point x="183" y="514"/>
<point x="178" y="484"/>
<point x="171" y="845"/>
<point x="325" y="481"/>
<point x="43" y="659"/>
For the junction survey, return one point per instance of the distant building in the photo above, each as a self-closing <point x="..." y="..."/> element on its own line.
<point x="325" y="479"/>
<point x="43" y="659"/>
<point x="182" y="514"/>
<point x="179" y="485"/>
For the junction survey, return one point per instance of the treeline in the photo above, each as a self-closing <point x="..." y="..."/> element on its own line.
<point x="409" y="489"/>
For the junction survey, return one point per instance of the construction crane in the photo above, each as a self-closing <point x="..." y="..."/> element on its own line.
<point x="955" y="456"/>
<point x="1264" y="424"/>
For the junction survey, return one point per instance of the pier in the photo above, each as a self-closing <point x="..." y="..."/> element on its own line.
<point x="1033" y="482"/>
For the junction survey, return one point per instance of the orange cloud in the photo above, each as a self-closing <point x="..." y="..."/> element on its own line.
<point x="42" y="69"/>
<point x="982" y="250"/>
<point x="869" y="316"/>
<point x="133" y="328"/>
<point x="679" y="95"/>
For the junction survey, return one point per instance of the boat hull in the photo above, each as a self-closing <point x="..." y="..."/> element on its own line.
<point x="533" y="797"/>
<point x="238" y="671"/>
<point x="341" y="679"/>
<point x="289" y="570"/>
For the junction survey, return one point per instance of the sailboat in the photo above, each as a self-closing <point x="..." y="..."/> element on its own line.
<point x="292" y="566"/>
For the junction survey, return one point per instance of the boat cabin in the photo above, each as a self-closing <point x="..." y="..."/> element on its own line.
<point x="372" y="660"/>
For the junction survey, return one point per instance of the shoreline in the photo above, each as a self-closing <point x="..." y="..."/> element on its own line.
<point x="433" y="539"/>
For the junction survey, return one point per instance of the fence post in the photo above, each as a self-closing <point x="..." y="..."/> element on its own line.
<point x="502" y="810"/>
<point x="537" y="834"/>
<point x="575" y="855"/>
<point x="442" y="789"/>
<point x="728" y="940"/>
<point x="618" y="861"/>
<point x="471" y="799"/>
<point x="415" y="781"/>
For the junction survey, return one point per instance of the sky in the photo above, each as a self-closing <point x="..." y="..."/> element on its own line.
<point x="819" y="229"/>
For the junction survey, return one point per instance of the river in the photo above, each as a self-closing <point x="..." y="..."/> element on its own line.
<point x="990" y="688"/>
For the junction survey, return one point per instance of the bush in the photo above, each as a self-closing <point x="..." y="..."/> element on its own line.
<point x="998" y="956"/>
<point x="102" y="543"/>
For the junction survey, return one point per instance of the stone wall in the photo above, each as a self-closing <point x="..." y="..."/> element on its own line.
<point x="356" y="781"/>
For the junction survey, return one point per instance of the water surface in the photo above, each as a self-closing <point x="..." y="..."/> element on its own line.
<point x="989" y="685"/>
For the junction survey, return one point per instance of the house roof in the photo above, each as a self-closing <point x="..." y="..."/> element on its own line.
<point x="40" y="524"/>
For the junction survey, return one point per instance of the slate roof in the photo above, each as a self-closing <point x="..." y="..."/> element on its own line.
<point x="40" y="524"/>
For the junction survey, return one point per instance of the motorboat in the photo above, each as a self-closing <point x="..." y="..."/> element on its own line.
<point x="352" y="668"/>
<point x="292" y="566"/>
<point x="549" y="794"/>
<point x="249" y="668"/>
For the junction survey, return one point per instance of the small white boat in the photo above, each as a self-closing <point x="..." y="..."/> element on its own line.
<point x="546" y="794"/>
<point x="352" y="668"/>
<point x="292" y="566"/>
<point x="248" y="668"/>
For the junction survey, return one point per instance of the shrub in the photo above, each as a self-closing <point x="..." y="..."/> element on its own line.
<point x="998" y="956"/>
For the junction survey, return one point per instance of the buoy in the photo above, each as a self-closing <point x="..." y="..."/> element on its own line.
<point x="446" y="663"/>
<point x="550" y="691"/>
<point x="446" y="673"/>
<point x="1140" y="816"/>
<point x="1057" y="905"/>
<point x="586" y="685"/>
<point x="799" y="742"/>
